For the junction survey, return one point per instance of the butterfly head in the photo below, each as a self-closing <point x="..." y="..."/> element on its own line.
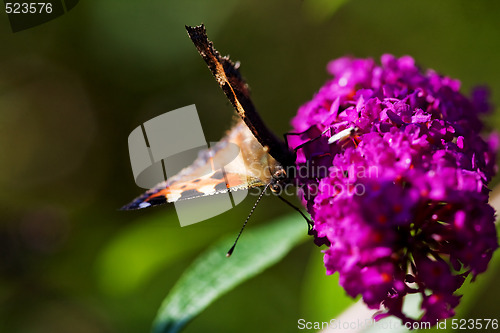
<point x="279" y="179"/>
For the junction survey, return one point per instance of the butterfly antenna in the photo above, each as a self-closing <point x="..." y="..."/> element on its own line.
<point x="228" y="254"/>
<point x="309" y="222"/>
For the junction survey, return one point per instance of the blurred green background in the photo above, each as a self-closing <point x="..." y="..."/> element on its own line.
<point x="72" y="90"/>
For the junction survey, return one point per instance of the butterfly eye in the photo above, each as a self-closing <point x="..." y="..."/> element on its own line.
<point x="280" y="174"/>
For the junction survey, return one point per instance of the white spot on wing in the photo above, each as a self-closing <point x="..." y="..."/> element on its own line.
<point x="207" y="189"/>
<point x="341" y="135"/>
<point x="174" y="196"/>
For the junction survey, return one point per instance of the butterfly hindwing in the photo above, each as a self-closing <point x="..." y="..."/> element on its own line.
<point x="215" y="171"/>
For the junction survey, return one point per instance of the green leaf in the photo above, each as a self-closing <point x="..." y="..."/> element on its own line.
<point x="131" y="258"/>
<point x="212" y="274"/>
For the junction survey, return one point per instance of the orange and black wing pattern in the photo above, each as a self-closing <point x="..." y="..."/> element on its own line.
<point x="216" y="170"/>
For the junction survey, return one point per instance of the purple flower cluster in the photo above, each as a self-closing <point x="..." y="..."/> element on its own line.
<point x="402" y="199"/>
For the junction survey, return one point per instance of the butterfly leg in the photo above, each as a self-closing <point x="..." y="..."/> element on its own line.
<point x="310" y="223"/>
<point x="285" y="137"/>
<point x="305" y="143"/>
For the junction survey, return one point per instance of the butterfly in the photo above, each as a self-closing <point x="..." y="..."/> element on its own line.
<point x="263" y="160"/>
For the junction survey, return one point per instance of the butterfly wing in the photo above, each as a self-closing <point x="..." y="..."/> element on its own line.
<point x="215" y="171"/>
<point x="236" y="90"/>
